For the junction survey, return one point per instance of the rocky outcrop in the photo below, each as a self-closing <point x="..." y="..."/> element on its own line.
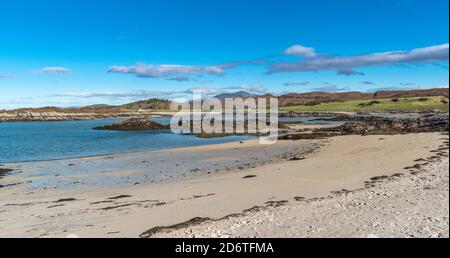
<point x="377" y="125"/>
<point x="28" y="116"/>
<point x="319" y="115"/>
<point x="134" y="124"/>
<point x="381" y="125"/>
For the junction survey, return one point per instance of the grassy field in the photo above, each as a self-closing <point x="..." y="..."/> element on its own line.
<point x="401" y="104"/>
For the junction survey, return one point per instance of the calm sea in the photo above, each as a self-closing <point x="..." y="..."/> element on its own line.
<point x="38" y="141"/>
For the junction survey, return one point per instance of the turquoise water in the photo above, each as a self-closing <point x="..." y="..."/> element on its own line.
<point x="38" y="141"/>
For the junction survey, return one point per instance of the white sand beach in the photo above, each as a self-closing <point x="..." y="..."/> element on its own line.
<point x="282" y="198"/>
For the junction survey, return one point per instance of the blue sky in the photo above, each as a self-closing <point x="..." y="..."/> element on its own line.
<point x="79" y="52"/>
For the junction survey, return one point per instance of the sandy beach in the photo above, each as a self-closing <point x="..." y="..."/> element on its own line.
<point x="314" y="186"/>
<point x="413" y="206"/>
<point x="207" y="127"/>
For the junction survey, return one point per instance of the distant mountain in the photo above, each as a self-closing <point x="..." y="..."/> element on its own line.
<point x="239" y="94"/>
<point x="291" y="99"/>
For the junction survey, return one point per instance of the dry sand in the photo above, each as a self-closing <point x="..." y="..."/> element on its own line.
<point x="346" y="162"/>
<point x="410" y="206"/>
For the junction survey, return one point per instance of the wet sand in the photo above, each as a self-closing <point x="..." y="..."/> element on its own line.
<point x="153" y="166"/>
<point x="346" y="162"/>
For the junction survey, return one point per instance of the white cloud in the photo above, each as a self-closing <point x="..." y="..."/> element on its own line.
<point x="56" y="70"/>
<point x="419" y="55"/>
<point x="403" y="88"/>
<point x="253" y="89"/>
<point x="288" y="84"/>
<point x="205" y="91"/>
<point x="140" y="94"/>
<point x="332" y="88"/>
<point x="160" y="71"/>
<point x="349" y="72"/>
<point x="6" y="76"/>
<point x="179" y="79"/>
<point x="171" y="95"/>
<point x="300" y="51"/>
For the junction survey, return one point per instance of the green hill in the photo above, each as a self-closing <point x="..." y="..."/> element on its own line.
<point x="395" y="104"/>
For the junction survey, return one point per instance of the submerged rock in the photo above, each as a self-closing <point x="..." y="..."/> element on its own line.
<point x="134" y="124"/>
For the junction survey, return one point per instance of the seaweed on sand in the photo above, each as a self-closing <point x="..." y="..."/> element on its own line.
<point x="4" y="172"/>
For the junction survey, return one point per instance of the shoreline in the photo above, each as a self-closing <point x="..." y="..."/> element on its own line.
<point x="15" y="163"/>
<point x="136" y="209"/>
<point x="179" y="164"/>
<point x="381" y="209"/>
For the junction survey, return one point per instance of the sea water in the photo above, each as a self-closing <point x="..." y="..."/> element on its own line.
<point x="40" y="141"/>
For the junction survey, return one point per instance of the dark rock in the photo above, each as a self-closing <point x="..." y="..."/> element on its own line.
<point x="373" y="125"/>
<point x="134" y="124"/>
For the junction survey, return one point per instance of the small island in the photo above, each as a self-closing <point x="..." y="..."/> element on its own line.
<point x="135" y="124"/>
